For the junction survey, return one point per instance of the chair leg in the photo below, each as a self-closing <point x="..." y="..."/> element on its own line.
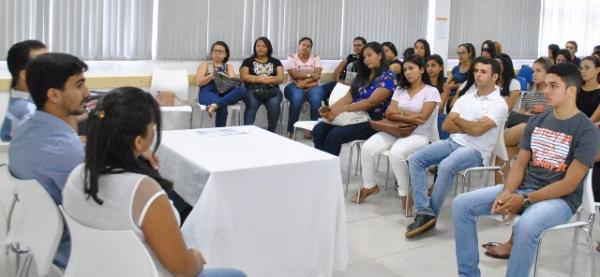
<point x="201" y="118"/>
<point x="574" y="251"/>
<point x="348" y="172"/>
<point x="294" y="134"/>
<point x="387" y="173"/>
<point x="592" y="254"/>
<point x="358" y="165"/>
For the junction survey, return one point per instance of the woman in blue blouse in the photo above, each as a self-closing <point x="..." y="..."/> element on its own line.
<point x="371" y="91"/>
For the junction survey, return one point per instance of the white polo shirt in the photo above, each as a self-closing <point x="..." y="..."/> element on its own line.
<point x="473" y="107"/>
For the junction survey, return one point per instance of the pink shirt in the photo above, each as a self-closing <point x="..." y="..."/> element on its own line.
<point x="294" y="62"/>
<point x="415" y="104"/>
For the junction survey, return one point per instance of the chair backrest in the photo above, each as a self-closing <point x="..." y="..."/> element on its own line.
<point x="339" y="91"/>
<point x="523" y="83"/>
<point x="526" y="72"/>
<point x="7" y="191"/>
<point x="36" y="223"/>
<point x="175" y="81"/>
<point x="435" y="134"/>
<point x="588" y="202"/>
<point x="97" y="252"/>
<point x="499" y="148"/>
<point x="4" y="100"/>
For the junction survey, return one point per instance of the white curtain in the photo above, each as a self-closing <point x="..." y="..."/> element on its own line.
<point x="401" y="22"/>
<point x="21" y="20"/>
<point x="514" y="23"/>
<point x="577" y="20"/>
<point x="186" y="28"/>
<point x="102" y="29"/>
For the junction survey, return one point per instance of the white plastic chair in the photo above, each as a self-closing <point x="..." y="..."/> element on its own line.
<point x="7" y="198"/>
<point x="175" y="81"/>
<point x="99" y="253"/>
<point x="232" y="109"/>
<point x="36" y="228"/>
<point x="489" y="165"/>
<point x="338" y="92"/>
<point x="588" y="206"/>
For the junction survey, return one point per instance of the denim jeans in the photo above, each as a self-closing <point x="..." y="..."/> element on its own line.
<point x="467" y="207"/>
<point x="296" y="96"/>
<point x="327" y="89"/>
<point x="452" y="158"/>
<point x="221" y="272"/>
<point x="330" y="138"/>
<point x="273" y="106"/>
<point x="208" y="95"/>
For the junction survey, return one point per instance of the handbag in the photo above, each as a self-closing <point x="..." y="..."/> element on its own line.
<point x="263" y="92"/>
<point x="224" y="83"/>
<point x="394" y="128"/>
<point x="349" y="118"/>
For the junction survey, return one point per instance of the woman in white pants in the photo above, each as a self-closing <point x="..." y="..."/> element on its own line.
<point x="414" y="102"/>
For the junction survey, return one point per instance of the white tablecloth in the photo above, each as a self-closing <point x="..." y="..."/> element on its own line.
<point x="267" y="205"/>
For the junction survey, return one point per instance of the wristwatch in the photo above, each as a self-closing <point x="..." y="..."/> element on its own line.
<point x="526" y="201"/>
<point x="308" y="75"/>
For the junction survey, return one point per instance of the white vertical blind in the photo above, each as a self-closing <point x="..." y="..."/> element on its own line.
<point x="330" y="23"/>
<point x="21" y="20"/>
<point x="401" y="22"/>
<point x="576" y="20"/>
<point x="514" y="23"/>
<point x="102" y="29"/>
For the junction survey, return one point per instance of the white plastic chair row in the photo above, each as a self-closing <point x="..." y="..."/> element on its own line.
<point x="36" y="227"/>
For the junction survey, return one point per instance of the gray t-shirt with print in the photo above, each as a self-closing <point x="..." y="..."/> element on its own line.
<point x="554" y="144"/>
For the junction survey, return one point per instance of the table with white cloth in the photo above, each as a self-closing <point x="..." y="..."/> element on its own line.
<point x="264" y="204"/>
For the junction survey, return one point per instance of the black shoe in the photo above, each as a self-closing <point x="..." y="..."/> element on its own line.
<point x="422" y="223"/>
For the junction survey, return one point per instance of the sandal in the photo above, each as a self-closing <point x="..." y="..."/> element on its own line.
<point x="211" y="109"/>
<point x="489" y="246"/>
<point x="364" y="193"/>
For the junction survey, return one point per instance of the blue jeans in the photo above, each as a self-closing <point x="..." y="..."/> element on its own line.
<point x="452" y="158"/>
<point x="443" y="134"/>
<point x="330" y="138"/>
<point x="273" y="106"/>
<point x="526" y="233"/>
<point x="208" y="95"/>
<point x="296" y="96"/>
<point x="327" y="89"/>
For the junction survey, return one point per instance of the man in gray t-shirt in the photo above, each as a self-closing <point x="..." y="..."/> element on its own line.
<point x="545" y="183"/>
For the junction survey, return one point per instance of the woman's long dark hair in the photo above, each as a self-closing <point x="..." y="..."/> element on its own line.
<point x="508" y="73"/>
<point x="441" y="79"/>
<point x="596" y="63"/>
<point x="418" y="61"/>
<point x="269" y="46"/>
<point x="121" y="116"/>
<point x="554" y="50"/>
<point x="363" y="72"/>
<point x="491" y="48"/>
<point x="565" y="53"/>
<point x="425" y="45"/>
<point x="221" y="43"/>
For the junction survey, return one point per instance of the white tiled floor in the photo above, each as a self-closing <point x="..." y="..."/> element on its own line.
<point x="377" y="246"/>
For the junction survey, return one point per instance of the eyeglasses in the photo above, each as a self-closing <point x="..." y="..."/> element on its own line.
<point x="461" y="53"/>
<point x="215" y="51"/>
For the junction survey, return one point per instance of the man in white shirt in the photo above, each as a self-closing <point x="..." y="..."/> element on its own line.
<point x="473" y="124"/>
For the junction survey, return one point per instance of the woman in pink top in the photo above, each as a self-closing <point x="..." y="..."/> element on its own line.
<point x="304" y="69"/>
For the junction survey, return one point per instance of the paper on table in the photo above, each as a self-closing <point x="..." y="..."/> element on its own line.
<point x="220" y="132"/>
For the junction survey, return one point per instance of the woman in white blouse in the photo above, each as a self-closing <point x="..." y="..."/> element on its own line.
<point x="414" y="102"/>
<point x="112" y="190"/>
